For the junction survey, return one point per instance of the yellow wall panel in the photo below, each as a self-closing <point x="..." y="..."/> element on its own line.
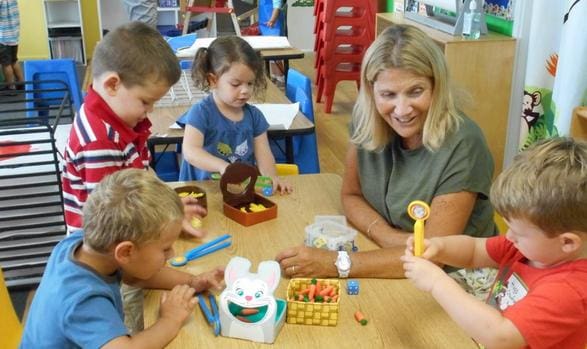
<point x="33" y="34"/>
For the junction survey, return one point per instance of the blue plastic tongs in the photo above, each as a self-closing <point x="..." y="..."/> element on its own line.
<point x="201" y="251"/>
<point x="211" y="314"/>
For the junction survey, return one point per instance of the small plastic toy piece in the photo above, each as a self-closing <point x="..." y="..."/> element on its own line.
<point x="264" y="184"/>
<point x="360" y="318"/>
<point x="352" y="287"/>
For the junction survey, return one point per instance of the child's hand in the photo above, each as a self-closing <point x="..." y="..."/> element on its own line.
<point x="193" y="213"/>
<point x="213" y="279"/>
<point x="177" y="304"/>
<point x="423" y="274"/>
<point x="281" y="186"/>
<point x="431" y="248"/>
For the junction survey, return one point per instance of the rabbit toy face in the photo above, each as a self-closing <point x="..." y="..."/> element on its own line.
<point x="247" y="306"/>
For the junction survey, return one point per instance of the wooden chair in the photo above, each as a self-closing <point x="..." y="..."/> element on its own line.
<point x="11" y="328"/>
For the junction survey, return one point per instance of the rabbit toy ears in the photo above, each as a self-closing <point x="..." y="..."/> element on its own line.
<point x="268" y="271"/>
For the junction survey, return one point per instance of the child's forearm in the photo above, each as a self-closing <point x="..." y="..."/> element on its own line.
<point x="458" y="251"/>
<point x="165" y="279"/>
<point x="156" y="336"/>
<point x="274" y="15"/>
<point x="479" y="320"/>
<point x="203" y="160"/>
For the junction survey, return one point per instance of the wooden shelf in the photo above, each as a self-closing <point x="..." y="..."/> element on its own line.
<point x="481" y="69"/>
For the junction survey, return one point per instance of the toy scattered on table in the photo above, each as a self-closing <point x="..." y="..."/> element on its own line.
<point x="360" y="318"/>
<point x="318" y="304"/>
<point x="352" y="287"/>
<point x="264" y="185"/>
<point x="419" y="211"/>
<point x="201" y="251"/>
<point x="331" y="233"/>
<point x="211" y="314"/>
<point x="248" y="309"/>
<point x="237" y="186"/>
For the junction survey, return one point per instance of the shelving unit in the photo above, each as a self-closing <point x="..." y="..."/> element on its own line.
<point x="63" y="20"/>
<point x="168" y="18"/>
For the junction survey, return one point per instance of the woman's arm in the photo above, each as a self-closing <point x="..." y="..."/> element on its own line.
<point x="361" y="214"/>
<point x="196" y="155"/>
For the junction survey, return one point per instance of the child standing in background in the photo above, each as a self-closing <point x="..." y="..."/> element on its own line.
<point x="131" y="221"/>
<point x="539" y="299"/>
<point x="272" y="23"/>
<point x="9" y="35"/>
<point x="223" y="128"/>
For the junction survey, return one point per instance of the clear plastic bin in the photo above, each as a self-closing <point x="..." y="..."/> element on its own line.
<point x="331" y="235"/>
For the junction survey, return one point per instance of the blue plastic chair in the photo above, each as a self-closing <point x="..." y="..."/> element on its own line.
<point x="166" y="166"/>
<point x="299" y="89"/>
<point x="51" y="69"/>
<point x="180" y="42"/>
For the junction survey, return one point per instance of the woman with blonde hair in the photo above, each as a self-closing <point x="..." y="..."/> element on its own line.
<point x="409" y="141"/>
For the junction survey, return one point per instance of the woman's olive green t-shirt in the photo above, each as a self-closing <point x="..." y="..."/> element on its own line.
<point x="394" y="177"/>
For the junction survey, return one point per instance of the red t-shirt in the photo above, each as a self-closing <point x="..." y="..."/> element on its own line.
<point x="99" y="143"/>
<point x="548" y="306"/>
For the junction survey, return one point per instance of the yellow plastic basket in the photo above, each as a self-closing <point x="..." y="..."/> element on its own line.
<point x="311" y="313"/>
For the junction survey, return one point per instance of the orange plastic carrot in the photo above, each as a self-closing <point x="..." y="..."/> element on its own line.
<point x="360" y="318"/>
<point x="312" y="292"/>
<point x="304" y="291"/>
<point x="249" y="311"/>
<point x="326" y="291"/>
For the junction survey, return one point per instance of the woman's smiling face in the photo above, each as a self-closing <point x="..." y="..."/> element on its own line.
<point x="403" y="99"/>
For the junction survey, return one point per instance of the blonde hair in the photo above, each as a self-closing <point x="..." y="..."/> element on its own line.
<point x="404" y="47"/>
<point x="546" y="185"/>
<point x="129" y="205"/>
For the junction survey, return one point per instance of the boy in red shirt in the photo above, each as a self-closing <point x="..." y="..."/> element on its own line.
<point x="539" y="299"/>
<point x="132" y="68"/>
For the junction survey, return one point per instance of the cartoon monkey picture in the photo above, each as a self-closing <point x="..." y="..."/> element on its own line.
<point x="531" y="107"/>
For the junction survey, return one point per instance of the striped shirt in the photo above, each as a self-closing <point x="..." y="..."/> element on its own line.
<point x="9" y="22"/>
<point x="99" y="143"/>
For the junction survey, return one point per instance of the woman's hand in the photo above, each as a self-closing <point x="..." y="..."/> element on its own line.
<point x="303" y="261"/>
<point x="193" y="213"/>
<point x="213" y="279"/>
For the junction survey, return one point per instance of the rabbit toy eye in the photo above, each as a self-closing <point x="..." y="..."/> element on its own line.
<point x="239" y="291"/>
<point x="258" y="294"/>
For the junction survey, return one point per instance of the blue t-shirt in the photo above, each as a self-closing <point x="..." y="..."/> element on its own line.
<point x="74" y="306"/>
<point x="223" y="138"/>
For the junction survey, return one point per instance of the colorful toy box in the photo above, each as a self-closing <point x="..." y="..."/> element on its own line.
<point x="247" y="307"/>
<point x="241" y="203"/>
<point x="311" y="313"/>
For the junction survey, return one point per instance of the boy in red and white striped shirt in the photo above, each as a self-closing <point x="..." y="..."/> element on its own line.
<point x="132" y="68"/>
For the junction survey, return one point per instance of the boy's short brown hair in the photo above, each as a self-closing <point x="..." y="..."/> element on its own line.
<point x="129" y="205"/>
<point x="546" y="185"/>
<point x="136" y="52"/>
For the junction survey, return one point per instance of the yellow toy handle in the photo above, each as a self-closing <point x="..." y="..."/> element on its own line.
<point x="419" y="211"/>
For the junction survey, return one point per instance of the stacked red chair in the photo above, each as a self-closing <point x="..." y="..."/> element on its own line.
<point x="344" y="30"/>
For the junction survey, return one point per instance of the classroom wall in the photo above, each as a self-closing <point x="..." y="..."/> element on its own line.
<point x="33" y="34"/>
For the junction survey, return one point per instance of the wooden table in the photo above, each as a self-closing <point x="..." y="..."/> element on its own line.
<point x="163" y="117"/>
<point x="399" y="315"/>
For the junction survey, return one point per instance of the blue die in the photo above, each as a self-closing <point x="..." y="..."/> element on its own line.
<point x="352" y="287"/>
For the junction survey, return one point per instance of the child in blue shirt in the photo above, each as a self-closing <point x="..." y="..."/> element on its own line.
<point x="131" y="221"/>
<point x="223" y="128"/>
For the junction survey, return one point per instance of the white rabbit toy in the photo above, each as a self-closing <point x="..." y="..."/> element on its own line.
<point x="248" y="309"/>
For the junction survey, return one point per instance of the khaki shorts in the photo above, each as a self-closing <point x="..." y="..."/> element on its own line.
<point x="132" y="302"/>
<point x="477" y="282"/>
